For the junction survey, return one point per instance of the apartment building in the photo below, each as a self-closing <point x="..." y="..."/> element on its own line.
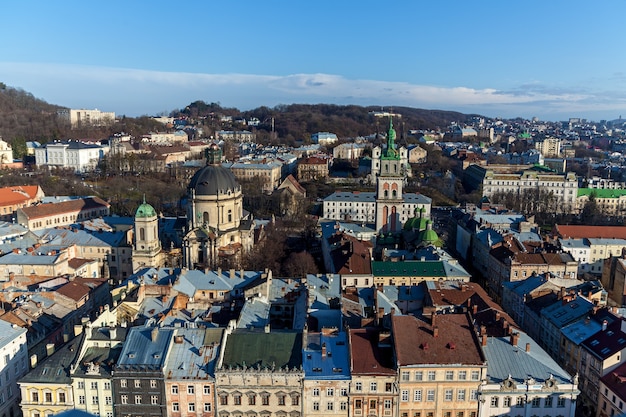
<point x="65" y="213"/>
<point x="440" y="365"/>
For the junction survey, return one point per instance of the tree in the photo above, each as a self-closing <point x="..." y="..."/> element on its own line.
<point x="591" y="214"/>
<point x="299" y="264"/>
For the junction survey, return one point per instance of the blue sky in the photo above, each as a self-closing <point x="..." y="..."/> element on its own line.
<point x="550" y="59"/>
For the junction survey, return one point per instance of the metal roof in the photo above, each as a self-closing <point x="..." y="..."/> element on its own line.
<point x="333" y="363"/>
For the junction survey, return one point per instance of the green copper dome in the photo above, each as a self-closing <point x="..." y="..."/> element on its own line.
<point x="429" y="236"/>
<point x="145" y="210"/>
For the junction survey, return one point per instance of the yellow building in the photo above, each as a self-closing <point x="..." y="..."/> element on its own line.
<point x="440" y="366"/>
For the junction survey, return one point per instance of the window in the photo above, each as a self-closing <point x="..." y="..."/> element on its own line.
<point x="153" y="383"/>
<point x="223" y="399"/>
<point x="265" y="399"/>
<point x="94" y="385"/>
<point x="519" y="402"/>
<point x="494" y="401"/>
<point x="174" y="389"/>
<point x="404" y="397"/>
<point x="343" y="406"/>
<point x="506" y="402"/>
<point x="207" y="389"/>
<point x="373" y="386"/>
<point x="358" y="386"/>
<point x="372" y="405"/>
<point x="448" y="395"/>
<point x="124" y="399"/>
<point x="295" y="400"/>
<point x="191" y="407"/>
<point x="460" y="395"/>
<point x="536" y="402"/>
<point x="329" y="406"/>
<point x="137" y="383"/>
<point x="154" y="399"/>
<point x="462" y="375"/>
<point x="108" y="400"/>
<point x="137" y="399"/>
<point x="417" y="395"/>
<point x="237" y="399"/>
<point x="190" y="389"/>
<point x="388" y="386"/>
<point x="405" y="375"/>
<point x="449" y="375"/>
<point x="175" y="407"/>
<point x="81" y="384"/>
<point x="330" y="392"/>
<point x="107" y="385"/>
<point x="61" y="396"/>
<point x="560" y="402"/>
<point x="316" y="406"/>
<point x="431" y="375"/>
<point x="343" y="392"/>
<point x="123" y="383"/>
<point x="207" y="407"/>
<point x="475" y="375"/>
<point x="548" y="402"/>
<point x="94" y="400"/>
<point x="252" y="399"/>
<point x="281" y="400"/>
<point x="81" y="399"/>
<point x="358" y="404"/>
<point x="430" y="395"/>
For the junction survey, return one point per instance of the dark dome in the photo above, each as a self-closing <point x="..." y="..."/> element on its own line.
<point x="213" y="180"/>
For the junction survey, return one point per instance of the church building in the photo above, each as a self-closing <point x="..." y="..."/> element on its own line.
<point x="219" y="230"/>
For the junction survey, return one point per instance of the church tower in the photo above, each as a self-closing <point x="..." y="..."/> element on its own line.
<point x="389" y="182"/>
<point x="146" y="243"/>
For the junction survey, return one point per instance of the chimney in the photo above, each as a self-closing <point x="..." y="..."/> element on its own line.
<point x="483" y="340"/>
<point x="514" y="338"/>
<point x="232" y="273"/>
<point x="433" y="316"/>
<point x="112" y="333"/>
<point x="50" y="349"/>
<point x="154" y="334"/>
<point x="604" y="325"/>
<point x="78" y="329"/>
<point x="324" y="350"/>
<point x="497" y="316"/>
<point x="483" y="330"/>
<point x="527" y="347"/>
<point x="435" y="331"/>
<point x="219" y="272"/>
<point x="33" y="361"/>
<point x="475" y="309"/>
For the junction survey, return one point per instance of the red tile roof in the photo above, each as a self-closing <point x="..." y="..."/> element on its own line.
<point x="17" y="195"/>
<point x="80" y="287"/>
<point x="73" y="206"/>
<point x="455" y="343"/>
<point x="350" y="255"/>
<point x="616" y="381"/>
<point x="594" y="232"/>
<point x="366" y="355"/>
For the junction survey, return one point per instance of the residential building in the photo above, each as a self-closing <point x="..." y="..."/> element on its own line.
<point x="86" y="117"/>
<point x="138" y="376"/>
<point x="14" y="198"/>
<point x="268" y="173"/>
<point x="260" y="372"/>
<point x="13" y="367"/>
<point x="614" y="279"/>
<point x="326" y="373"/>
<point x="47" y="389"/>
<point x="609" y="201"/>
<point x="324" y="138"/>
<point x="312" y="168"/>
<point x="549" y="147"/>
<point x="373" y="388"/>
<point x="413" y="272"/>
<point x="350" y="150"/>
<point x="522" y="379"/>
<point x="440" y="365"/>
<point x="188" y="370"/>
<point x="612" y="398"/>
<point x="65" y="213"/>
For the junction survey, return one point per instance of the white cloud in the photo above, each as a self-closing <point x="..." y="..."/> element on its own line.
<point x="136" y="92"/>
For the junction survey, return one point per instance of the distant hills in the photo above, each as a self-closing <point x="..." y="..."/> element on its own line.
<point x="25" y="117"/>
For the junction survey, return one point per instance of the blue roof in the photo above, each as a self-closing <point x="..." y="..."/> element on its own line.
<point x="255" y="314"/>
<point x="504" y="360"/>
<point x="560" y="314"/>
<point x="9" y="332"/>
<point x="193" y="353"/>
<point x="580" y="330"/>
<point x="140" y="348"/>
<point x="78" y="237"/>
<point x="334" y="364"/>
<point x="191" y="281"/>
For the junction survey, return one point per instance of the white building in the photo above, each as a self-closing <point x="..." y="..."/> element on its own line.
<point x="78" y="156"/>
<point x="324" y="138"/>
<point x="84" y="117"/>
<point x="591" y="252"/>
<point x="522" y="379"/>
<point x="14" y="365"/>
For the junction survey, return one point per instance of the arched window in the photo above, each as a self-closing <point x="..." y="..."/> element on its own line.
<point x="394" y="193"/>
<point x="230" y="215"/>
<point x="142" y="233"/>
<point x="386" y="193"/>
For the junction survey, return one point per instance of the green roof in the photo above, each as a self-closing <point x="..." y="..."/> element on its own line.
<point x="264" y="350"/>
<point x="408" y="269"/>
<point x="145" y="210"/>
<point x="601" y="192"/>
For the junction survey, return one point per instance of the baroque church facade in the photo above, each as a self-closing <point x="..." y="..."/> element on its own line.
<point x="218" y="229"/>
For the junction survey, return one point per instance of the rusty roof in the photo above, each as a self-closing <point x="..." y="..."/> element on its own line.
<point x="72" y="206"/>
<point x="369" y="357"/>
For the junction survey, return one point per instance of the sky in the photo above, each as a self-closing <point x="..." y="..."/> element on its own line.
<point x="547" y="59"/>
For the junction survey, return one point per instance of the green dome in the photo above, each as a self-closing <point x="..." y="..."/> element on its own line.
<point x="429" y="236"/>
<point x="145" y="210"/>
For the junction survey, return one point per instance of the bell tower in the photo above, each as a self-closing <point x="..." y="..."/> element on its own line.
<point x="389" y="182"/>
